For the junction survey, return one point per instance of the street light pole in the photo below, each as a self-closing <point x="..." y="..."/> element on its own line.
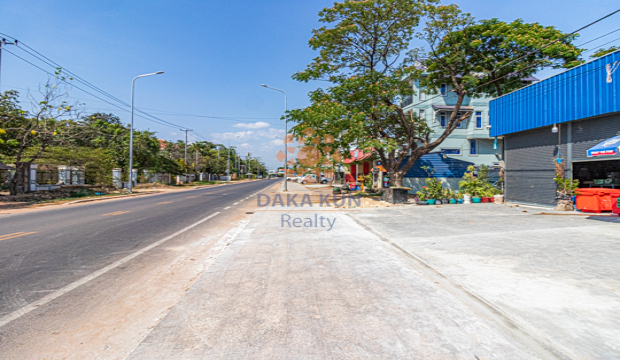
<point x="285" y="134"/>
<point x="130" y="187"/>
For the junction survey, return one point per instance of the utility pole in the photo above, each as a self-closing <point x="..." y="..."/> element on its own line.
<point x="186" y="130"/>
<point x="2" y="43"/>
<point x="196" y="162"/>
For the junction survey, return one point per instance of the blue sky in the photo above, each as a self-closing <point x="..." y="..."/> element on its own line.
<point x="215" y="55"/>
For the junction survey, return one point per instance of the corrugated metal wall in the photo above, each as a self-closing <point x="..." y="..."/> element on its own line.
<point x="590" y="132"/>
<point x="444" y="168"/>
<point x="530" y="156"/>
<point x="575" y="94"/>
<point x="530" y="165"/>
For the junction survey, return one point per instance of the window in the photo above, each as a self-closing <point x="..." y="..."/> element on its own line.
<point x="478" y="119"/>
<point x="444" y="89"/>
<point x="458" y="116"/>
<point x="443" y="121"/>
<point x="422" y="93"/>
<point x="422" y="115"/>
<point x="473" y="147"/>
<point x="451" y="151"/>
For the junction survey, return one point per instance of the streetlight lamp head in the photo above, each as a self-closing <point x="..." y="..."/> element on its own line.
<point x="159" y="72"/>
<point x="263" y="85"/>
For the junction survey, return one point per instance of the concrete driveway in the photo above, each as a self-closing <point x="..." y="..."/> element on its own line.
<point x="556" y="277"/>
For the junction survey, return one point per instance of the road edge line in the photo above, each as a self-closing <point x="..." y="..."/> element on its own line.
<point x="46" y="299"/>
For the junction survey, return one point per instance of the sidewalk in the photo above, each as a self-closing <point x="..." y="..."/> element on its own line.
<point x="556" y="276"/>
<point x="308" y="293"/>
<point x="294" y="187"/>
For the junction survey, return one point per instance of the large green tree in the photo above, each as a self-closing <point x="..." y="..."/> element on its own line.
<point x="365" y="55"/>
<point x="25" y="135"/>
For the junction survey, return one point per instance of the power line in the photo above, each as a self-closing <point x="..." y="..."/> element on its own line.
<point x="51" y="63"/>
<point x="602" y="36"/>
<point x="150" y="118"/>
<point x="533" y="51"/>
<point x="609" y="42"/>
<point x="163" y="112"/>
<point x="552" y="86"/>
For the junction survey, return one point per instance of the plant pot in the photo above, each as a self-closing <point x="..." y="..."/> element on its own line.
<point x="476" y="200"/>
<point x="491" y="199"/>
<point x="485" y="199"/>
<point x="445" y="201"/>
<point x="466" y="199"/>
<point x="499" y="199"/>
<point x="452" y="201"/>
<point x="460" y="201"/>
<point x="564" y="205"/>
<point x="430" y="201"/>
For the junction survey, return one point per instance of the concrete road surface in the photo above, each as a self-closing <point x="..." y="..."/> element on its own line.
<point x="59" y="268"/>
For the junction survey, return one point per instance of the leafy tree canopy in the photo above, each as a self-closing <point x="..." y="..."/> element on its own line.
<point x="364" y="52"/>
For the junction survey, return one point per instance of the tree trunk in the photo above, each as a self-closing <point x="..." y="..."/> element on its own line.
<point x="18" y="183"/>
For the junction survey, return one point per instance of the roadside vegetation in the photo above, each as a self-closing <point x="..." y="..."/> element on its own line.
<point x="55" y="132"/>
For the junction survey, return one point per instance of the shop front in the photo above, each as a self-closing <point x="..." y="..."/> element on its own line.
<point x="569" y="123"/>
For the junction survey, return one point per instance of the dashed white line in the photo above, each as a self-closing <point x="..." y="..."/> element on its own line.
<point x="226" y="208"/>
<point x="236" y="203"/>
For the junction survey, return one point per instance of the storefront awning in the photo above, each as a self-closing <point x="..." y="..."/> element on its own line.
<point x="451" y="108"/>
<point x="607" y="147"/>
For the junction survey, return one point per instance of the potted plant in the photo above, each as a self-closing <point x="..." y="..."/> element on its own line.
<point x="421" y="195"/>
<point x="432" y="192"/>
<point x="452" y="197"/>
<point x="469" y="186"/>
<point x="565" y="192"/>
<point x="484" y="195"/>
<point x="445" y="196"/>
<point x="459" y="198"/>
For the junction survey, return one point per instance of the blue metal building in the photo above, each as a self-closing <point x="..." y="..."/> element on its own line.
<point x="560" y="118"/>
<point x="447" y="169"/>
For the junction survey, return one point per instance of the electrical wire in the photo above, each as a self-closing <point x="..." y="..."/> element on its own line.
<point x="552" y="86"/>
<point x="609" y="42"/>
<point x="32" y="52"/>
<point x="163" y="112"/>
<point x="533" y="51"/>
<point x="602" y="36"/>
<point x="155" y="120"/>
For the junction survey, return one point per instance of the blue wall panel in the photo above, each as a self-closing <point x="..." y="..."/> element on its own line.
<point x="446" y="168"/>
<point x="578" y="93"/>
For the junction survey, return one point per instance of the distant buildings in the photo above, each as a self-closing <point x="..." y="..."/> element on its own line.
<point x="470" y="142"/>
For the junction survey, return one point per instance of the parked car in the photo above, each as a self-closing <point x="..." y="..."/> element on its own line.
<point x="311" y="179"/>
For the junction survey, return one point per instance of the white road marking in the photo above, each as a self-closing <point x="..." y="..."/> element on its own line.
<point x="44" y="300"/>
<point x="226" y="208"/>
<point x="236" y="203"/>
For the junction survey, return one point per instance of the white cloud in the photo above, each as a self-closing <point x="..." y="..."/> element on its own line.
<point x="271" y="133"/>
<point x="276" y="142"/>
<point x="256" y="125"/>
<point x="239" y="135"/>
<point x="173" y="133"/>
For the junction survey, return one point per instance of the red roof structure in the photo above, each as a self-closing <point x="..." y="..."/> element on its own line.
<point x="357" y="156"/>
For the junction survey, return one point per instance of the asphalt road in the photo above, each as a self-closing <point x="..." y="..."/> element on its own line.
<point x="44" y="251"/>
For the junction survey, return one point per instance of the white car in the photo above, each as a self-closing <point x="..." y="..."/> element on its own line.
<point x="311" y="179"/>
